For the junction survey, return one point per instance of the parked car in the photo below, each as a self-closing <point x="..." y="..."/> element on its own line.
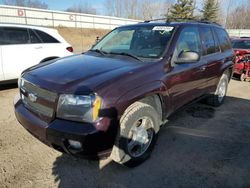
<point x="113" y="99"/>
<point x="241" y="48"/>
<point x="22" y="46"/>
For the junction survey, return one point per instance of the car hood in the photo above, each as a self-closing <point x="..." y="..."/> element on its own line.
<point x="80" y="73"/>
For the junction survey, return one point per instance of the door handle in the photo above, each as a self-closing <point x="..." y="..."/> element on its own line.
<point x="38" y="47"/>
<point x="203" y="68"/>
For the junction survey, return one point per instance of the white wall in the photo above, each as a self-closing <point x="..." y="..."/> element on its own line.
<point x="13" y="14"/>
<point x="239" y="32"/>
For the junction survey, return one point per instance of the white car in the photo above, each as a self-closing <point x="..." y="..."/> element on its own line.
<point x="22" y="46"/>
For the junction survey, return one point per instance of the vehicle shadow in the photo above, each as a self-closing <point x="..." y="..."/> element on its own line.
<point x="193" y="150"/>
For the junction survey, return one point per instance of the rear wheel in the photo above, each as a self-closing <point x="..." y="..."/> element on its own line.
<point x="218" y="97"/>
<point x="137" y="136"/>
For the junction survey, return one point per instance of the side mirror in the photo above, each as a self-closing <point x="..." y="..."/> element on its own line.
<point x="97" y="39"/>
<point x="187" y="57"/>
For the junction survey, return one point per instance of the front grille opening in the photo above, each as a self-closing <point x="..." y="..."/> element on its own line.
<point x="38" y="100"/>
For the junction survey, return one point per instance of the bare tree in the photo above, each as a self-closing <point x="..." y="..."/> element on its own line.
<point x="155" y="9"/>
<point x="137" y="9"/>
<point x="130" y="8"/>
<point x="238" y="18"/>
<point x="27" y="3"/>
<point x="114" y="7"/>
<point x="86" y="8"/>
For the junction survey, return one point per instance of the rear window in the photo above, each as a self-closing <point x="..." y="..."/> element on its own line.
<point x="46" y="38"/>
<point x="241" y="44"/>
<point x="207" y="40"/>
<point x="224" y="40"/>
<point x="12" y="35"/>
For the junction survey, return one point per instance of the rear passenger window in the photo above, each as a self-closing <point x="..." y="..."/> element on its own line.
<point x="224" y="40"/>
<point x="46" y="38"/>
<point x="207" y="40"/>
<point x="13" y="35"/>
<point x="33" y="37"/>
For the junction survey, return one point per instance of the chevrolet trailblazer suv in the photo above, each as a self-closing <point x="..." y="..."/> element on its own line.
<point x="113" y="99"/>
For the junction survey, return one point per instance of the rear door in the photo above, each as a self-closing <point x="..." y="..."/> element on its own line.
<point x="211" y="54"/>
<point x="50" y="46"/>
<point x="17" y="52"/>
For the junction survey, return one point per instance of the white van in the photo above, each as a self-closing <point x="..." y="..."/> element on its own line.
<point x="22" y="46"/>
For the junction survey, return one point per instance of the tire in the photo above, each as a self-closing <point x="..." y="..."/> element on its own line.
<point x="137" y="135"/>
<point x="217" y="98"/>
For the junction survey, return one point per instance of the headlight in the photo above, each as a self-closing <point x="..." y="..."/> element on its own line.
<point x="84" y="108"/>
<point x="20" y="82"/>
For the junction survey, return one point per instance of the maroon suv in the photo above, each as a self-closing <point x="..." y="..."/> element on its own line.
<point x="113" y="99"/>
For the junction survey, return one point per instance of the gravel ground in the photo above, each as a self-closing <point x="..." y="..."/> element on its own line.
<point x="199" y="147"/>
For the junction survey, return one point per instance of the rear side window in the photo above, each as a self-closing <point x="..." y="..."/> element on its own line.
<point x="33" y="37"/>
<point x="12" y="35"/>
<point x="46" y="38"/>
<point x="207" y="41"/>
<point x="224" y="40"/>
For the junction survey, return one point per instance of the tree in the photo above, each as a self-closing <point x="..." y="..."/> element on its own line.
<point x="182" y="10"/>
<point x="238" y="16"/>
<point x="26" y="3"/>
<point x="114" y="7"/>
<point x="137" y="9"/>
<point x="82" y="8"/>
<point x="210" y="10"/>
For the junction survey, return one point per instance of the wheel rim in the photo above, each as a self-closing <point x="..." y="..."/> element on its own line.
<point x="222" y="91"/>
<point x="140" y="136"/>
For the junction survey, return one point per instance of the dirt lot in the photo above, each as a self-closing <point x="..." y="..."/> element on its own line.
<point x="81" y="39"/>
<point x="199" y="147"/>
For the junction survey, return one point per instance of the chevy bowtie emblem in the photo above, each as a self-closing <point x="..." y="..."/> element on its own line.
<point x="32" y="97"/>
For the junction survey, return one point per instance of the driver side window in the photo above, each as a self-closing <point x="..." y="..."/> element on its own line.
<point x="189" y="40"/>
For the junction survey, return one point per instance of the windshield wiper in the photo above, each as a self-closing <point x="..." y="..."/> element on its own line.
<point x="126" y="54"/>
<point x="98" y="51"/>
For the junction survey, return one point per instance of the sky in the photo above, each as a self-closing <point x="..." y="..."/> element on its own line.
<point x="98" y="4"/>
<point x="64" y="4"/>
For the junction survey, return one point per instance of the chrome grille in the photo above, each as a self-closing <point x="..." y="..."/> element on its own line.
<point x="42" y="102"/>
<point x="38" y="108"/>
<point x="47" y="95"/>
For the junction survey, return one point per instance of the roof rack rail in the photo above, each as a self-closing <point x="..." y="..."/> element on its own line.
<point x="168" y="19"/>
<point x="157" y="19"/>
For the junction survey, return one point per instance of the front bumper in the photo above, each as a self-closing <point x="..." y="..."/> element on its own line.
<point x="95" y="143"/>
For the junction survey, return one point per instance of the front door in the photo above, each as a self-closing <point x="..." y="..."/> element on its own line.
<point x="185" y="80"/>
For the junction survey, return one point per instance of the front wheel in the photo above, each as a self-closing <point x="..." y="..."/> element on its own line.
<point x="218" y="97"/>
<point x="137" y="136"/>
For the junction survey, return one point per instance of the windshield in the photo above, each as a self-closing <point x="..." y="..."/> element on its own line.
<point x="241" y="44"/>
<point x="140" y="41"/>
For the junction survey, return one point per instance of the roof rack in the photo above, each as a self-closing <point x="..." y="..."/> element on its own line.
<point x="168" y="19"/>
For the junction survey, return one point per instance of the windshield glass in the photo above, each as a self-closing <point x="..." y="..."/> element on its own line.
<point x="241" y="44"/>
<point x="140" y="41"/>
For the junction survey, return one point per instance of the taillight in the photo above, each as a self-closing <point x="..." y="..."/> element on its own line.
<point x="70" y="49"/>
